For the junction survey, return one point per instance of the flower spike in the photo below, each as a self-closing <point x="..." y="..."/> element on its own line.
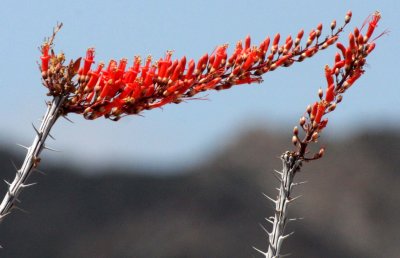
<point x="115" y="90"/>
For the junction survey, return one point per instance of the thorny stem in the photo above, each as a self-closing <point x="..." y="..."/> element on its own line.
<point x="291" y="164"/>
<point x="32" y="157"/>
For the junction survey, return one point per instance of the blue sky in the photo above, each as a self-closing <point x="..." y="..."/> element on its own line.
<point x="190" y="132"/>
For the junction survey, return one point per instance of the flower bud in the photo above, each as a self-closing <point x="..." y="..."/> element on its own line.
<point x="321" y="152"/>
<point x="347" y="18"/>
<point x="314" y="136"/>
<point x="294" y="140"/>
<point x="320" y="93"/>
<point x="296" y="130"/>
<point x="318" y="30"/>
<point x="333" y="24"/>
<point x="332" y="107"/>
<point x="309" y="109"/>
<point x="302" y="121"/>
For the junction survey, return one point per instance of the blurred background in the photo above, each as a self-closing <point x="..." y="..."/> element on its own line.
<point x="186" y="181"/>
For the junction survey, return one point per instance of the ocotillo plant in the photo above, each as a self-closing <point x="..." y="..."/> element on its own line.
<point x="347" y="68"/>
<point x="115" y="90"/>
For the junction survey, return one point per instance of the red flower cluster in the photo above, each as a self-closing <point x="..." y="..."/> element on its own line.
<point x="116" y="89"/>
<point x="347" y="68"/>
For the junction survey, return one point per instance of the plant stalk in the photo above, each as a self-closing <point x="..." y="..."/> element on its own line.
<point x="32" y="157"/>
<point x="291" y="164"/>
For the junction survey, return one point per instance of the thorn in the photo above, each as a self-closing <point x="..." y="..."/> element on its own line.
<point x="20" y="209"/>
<point x="286" y="236"/>
<point x="39" y="171"/>
<point x="12" y="162"/>
<point x="285" y="255"/>
<point x="269" y="220"/>
<point x="278" y="189"/>
<point x="36" y="130"/>
<point x="20" y="145"/>
<point x="278" y="172"/>
<point x="69" y="120"/>
<point x="51" y="136"/>
<point x="269" y="198"/>
<point x="277" y="178"/>
<point x="51" y="149"/>
<point x="8" y="183"/>
<point x="261" y="252"/>
<point x="28" y="185"/>
<point x="295" y="219"/>
<point x="300" y="183"/>
<point x="19" y="173"/>
<point x="293" y="199"/>
<point x="2" y="216"/>
<point x="266" y="231"/>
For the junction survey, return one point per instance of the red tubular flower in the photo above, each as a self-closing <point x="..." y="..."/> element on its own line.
<point x="282" y="60"/>
<point x="275" y="43"/>
<point x="173" y="88"/>
<point x="247" y="42"/>
<point x="328" y="75"/>
<point x="314" y="109"/>
<point x="45" y="57"/>
<point x="135" y="90"/>
<point x="146" y="67"/>
<point x="201" y="65"/>
<point x="170" y="70"/>
<point x="250" y="60"/>
<point x="247" y="80"/>
<point x="311" y="37"/>
<point x="330" y="93"/>
<point x="337" y="58"/>
<point x="89" y="60"/>
<point x="162" y="69"/>
<point x="94" y="77"/>
<point x="352" y="43"/>
<point x="354" y="77"/>
<point x="349" y="57"/>
<point x="176" y="73"/>
<point x="299" y="37"/>
<point x="288" y="43"/>
<point x="322" y="124"/>
<point x="372" y="24"/>
<point x="319" y="29"/>
<point x="129" y="87"/>
<point x="219" y="55"/>
<point x="330" y="42"/>
<point x="149" y="77"/>
<point x="310" y="52"/>
<point x="212" y="83"/>
<point x="342" y="48"/>
<point x="320" y="113"/>
<point x="265" y="45"/>
<point x="371" y="47"/>
<point x="190" y="70"/>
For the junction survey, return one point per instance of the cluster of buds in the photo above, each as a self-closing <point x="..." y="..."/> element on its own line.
<point x="116" y="90"/>
<point x="347" y="68"/>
